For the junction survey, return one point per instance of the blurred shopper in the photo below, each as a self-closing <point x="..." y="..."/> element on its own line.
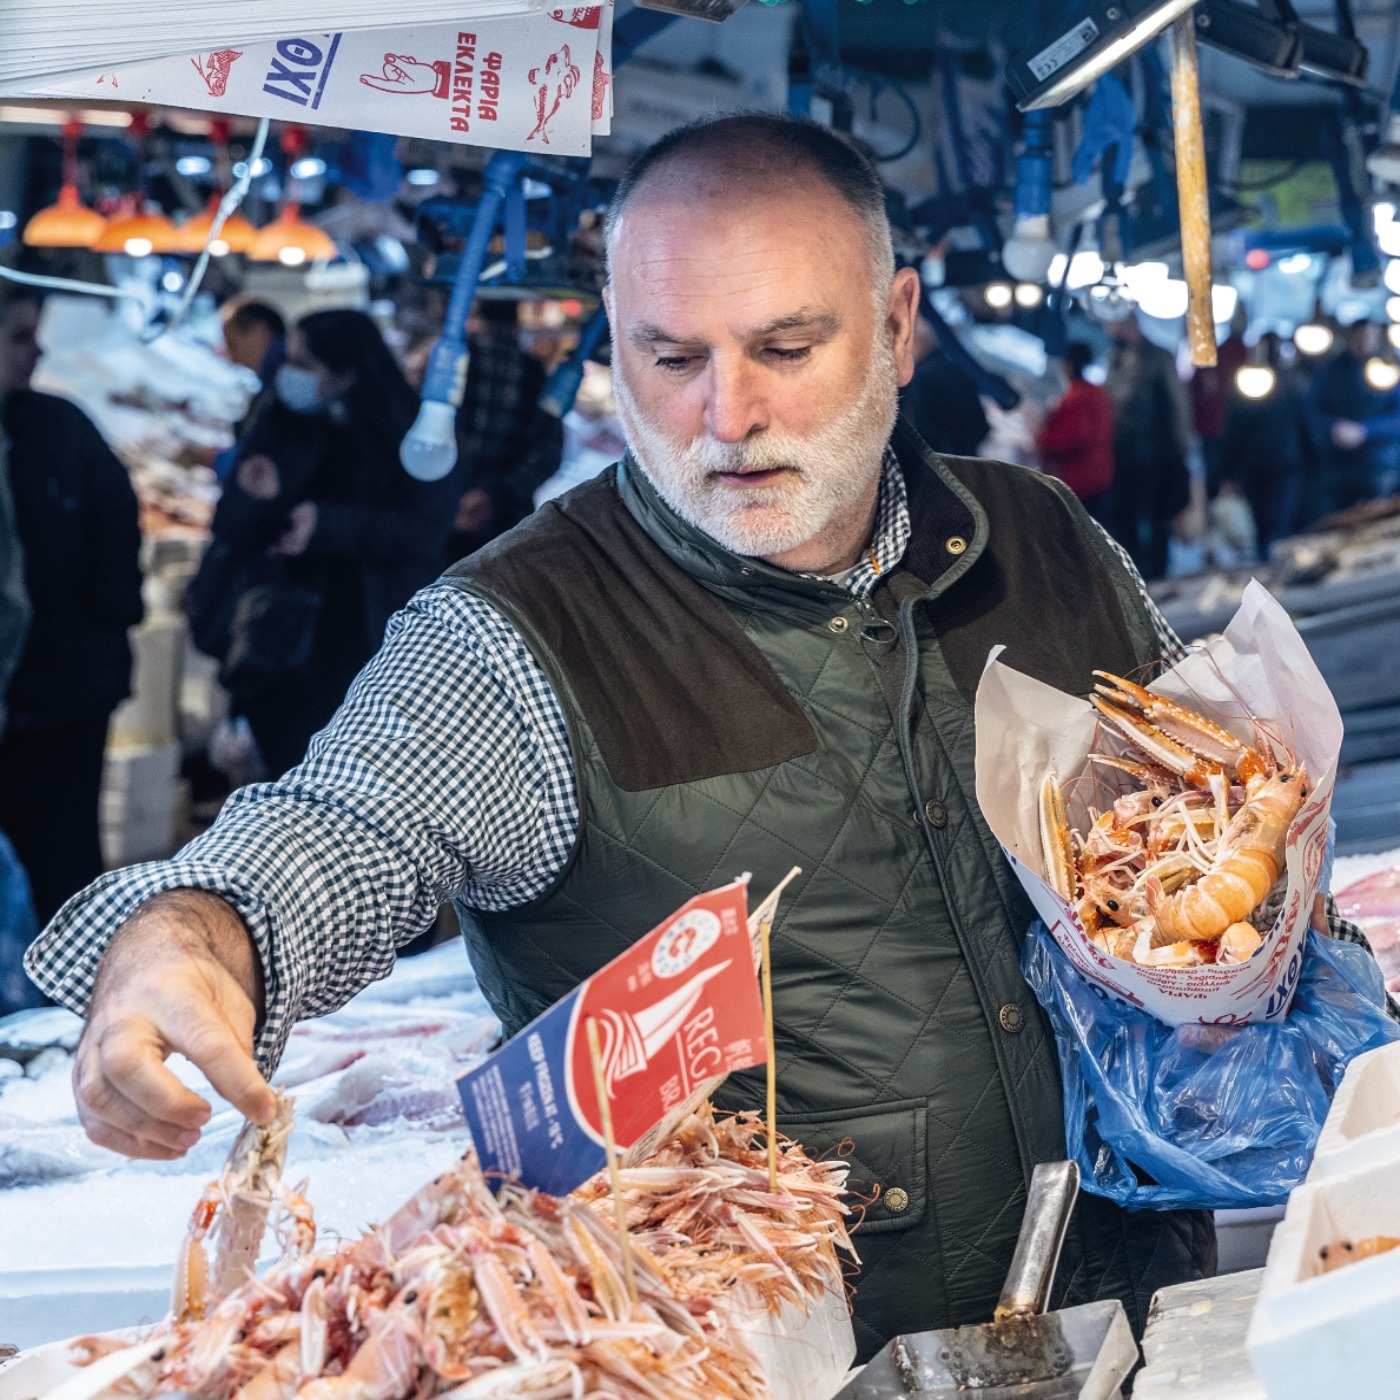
<point x="1355" y="426"/>
<point x="77" y="520"/>
<point x="320" y="535"/>
<point x="255" y="337"/>
<point x="1076" y="442"/>
<point x="941" y="400"/>
<point x="1267" y="447"/>
<point x="507" y="446"/>
<point x="1212" y="389"/>
<point x="18" y="925"/>
<point x="1150" y="442"/>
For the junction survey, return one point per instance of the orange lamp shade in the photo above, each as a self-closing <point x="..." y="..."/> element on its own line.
<point x="138" y="234"/>
<point x="67" y="223"/>
<point x="236" y="236"/>
<point x="290" y="240"/>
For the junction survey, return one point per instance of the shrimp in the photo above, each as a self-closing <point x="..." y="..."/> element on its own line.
<point x="1245" y="869"/>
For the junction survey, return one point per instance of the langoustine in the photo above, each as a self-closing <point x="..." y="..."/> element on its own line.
<point x="1176" y="871"/>
<point x="476" y="1292"/>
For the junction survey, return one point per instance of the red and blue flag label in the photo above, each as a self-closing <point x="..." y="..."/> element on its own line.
<point x="675" y="1013"/>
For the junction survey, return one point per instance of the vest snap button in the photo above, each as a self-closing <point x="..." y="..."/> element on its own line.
<point x="838" y="624"/>
<point x="896" y="1200"/>
<point x="936" y="813"/>
<point x="1012" y="1018"/>
<point x="955" y="544"/>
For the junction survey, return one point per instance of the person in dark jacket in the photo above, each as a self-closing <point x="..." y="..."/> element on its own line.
<point x="77" y="520"/>
<point x="1151" y="419"/>
<point x="255" y="336"/>
<point x="942" y="403"/>
<point x="319" y="507"/>
<point x="1076" y="443"/>
<point x="507" y="445"/>
<point x="1266" y="448"/>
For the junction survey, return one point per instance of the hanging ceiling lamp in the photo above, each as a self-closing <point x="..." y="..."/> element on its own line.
<point x="237" y="234"/>
<point x="142" y="229"/>
<point x="289" y="239"/>
<point x="68" y="222"/>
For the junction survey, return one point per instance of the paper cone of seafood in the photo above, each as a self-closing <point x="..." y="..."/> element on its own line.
<point x="1259" y="668"/>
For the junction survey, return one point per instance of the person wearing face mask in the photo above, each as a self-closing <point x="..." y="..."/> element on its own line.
<point x="753" y="643"/>
<point x="320" y="536"/>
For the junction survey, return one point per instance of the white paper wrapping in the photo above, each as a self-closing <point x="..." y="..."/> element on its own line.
<point x="1259" y="667"/>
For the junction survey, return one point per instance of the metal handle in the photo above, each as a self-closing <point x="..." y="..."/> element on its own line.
<point x="1049" y="1204"/>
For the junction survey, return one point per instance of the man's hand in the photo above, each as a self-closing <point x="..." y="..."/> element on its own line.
<point x="181" y="975"/>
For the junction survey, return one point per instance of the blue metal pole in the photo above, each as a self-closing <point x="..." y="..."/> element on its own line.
<point x="429" y="452"/>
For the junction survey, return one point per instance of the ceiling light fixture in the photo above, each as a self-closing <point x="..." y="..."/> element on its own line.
<point x="1066" y="58"/>
<point x="68" y="222"/>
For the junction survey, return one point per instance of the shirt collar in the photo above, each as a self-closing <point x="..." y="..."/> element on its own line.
<point x="890" y="537"/>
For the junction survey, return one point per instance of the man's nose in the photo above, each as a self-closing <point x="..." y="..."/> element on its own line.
<point x="734" y="404"/>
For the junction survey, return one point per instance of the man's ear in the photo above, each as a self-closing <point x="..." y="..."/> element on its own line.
<point x="901" y="316"/>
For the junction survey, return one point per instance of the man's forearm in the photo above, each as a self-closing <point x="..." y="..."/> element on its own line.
<point x="200" y="923"/>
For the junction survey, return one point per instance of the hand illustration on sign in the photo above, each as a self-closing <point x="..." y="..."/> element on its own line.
<point x="214" y="68"/>
<point x="403" y="74"/>
<point x="554" y="82"/>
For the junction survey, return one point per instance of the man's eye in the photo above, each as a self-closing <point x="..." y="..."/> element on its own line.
<point x="674" y="362"/>
<point x="790" y="355"/>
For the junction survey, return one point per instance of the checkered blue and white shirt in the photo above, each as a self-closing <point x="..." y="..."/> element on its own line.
<point x="447" y="772"/>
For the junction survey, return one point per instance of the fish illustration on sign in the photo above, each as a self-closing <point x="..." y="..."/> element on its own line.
<point x="554" y="82"/>
<point x="402" y="73"/>
<point x="214" y="68"/>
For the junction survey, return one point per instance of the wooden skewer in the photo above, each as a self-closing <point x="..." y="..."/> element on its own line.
<point x="1192" y="191"/>
<point x="764" y="931"/>
<point x="610" y="1147"/>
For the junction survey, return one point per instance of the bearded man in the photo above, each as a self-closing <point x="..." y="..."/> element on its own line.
<point x="752" y="644"/>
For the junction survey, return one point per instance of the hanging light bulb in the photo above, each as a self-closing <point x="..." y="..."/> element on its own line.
<point x="1255" y="381"/>
<point x="68" y="222"/>
<point x="1313" y="339"/>
<point x="1382" y="375"/>
<point x="998" y="295"/>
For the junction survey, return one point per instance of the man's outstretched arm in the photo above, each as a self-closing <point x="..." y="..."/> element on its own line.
<point x="447" y="771"/>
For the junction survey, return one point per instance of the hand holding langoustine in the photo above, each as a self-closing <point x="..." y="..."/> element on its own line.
<point x="1172" y="872"/>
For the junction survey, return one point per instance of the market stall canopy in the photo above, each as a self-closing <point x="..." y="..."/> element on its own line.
<point x="500" y="73"/>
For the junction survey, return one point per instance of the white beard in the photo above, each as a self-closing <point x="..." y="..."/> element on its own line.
<point x="830" y="470"/>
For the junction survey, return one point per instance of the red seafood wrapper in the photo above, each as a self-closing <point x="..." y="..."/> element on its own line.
<point x="1259" y="682"/>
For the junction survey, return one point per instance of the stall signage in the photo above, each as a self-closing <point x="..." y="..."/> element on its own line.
<point x="675" y="1013"/>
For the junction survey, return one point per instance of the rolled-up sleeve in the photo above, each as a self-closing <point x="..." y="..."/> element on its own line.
<point x="446" y="772"/>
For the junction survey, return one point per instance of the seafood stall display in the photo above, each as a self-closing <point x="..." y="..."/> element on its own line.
<point x="1373" y="902"/>
<point x="1172" y="835"/>
<point x="479" y="1288"/>
<point x="1178" y="869"/>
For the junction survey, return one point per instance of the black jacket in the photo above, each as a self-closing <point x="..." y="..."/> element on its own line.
<point x="77" y="520"/>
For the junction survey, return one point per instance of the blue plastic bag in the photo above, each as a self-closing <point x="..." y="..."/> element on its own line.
<point x="1212" y="1117"/>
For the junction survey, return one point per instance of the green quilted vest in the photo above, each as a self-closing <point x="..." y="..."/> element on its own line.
<point x="727" y="716"/>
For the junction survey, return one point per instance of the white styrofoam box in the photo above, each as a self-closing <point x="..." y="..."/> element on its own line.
<point x="1316" y="1334"/>
<point x="139" y="768"/>
<point x="805" y="1352"/>
<point x="134" y="843"/>
<point x="1363" y="1124"/>
<point x="149" y="716"/>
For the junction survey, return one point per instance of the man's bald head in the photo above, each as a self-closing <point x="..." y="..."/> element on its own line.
<point x="760" y="155"/>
